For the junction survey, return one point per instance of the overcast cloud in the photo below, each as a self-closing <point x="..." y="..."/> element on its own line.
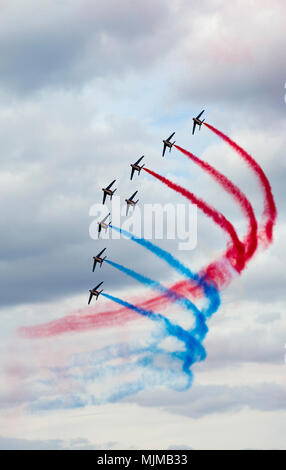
<point x="86" y="88"/>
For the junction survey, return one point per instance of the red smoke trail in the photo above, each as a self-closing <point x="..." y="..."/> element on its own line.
<point x="250" y="242"/>
<point x="270" y="211"/>
<point x="79" y="321"/>
<point x="235" y="253"/>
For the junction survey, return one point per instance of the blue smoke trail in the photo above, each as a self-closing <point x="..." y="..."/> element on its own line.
<point x="94" y="365"/>
<point x="150" y="354"/>
<point x="209" y="289"/>
<point x="148" y="364"/>
<point x="201" y="328"/>
<point x="194" y="350"/>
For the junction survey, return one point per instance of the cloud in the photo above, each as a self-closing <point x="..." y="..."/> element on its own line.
<point x="84" y="92"/>
<point x="227" y="57"/>
<point x="11" y="443"/>
<point x="204" y="400"/>
<point x="67" y="44"/>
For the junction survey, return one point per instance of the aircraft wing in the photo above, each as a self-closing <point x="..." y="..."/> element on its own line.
<point x="130" y="199"/>
<point x="194" y="127"/>
<point x="99" y="254"/>
<point x="132" y="173"/>
<point x="138" y="161"/>
<point x="199" y="115"/>
<point x="103" y="220"/>
<point x="164" y="149"/>
<point x="94" y="264"/>
<point x="95" y="288"/>
<point x="104" y="197"/>
<point x="108" y="187"/>
<point x="169" y="138"/>
<point x="90" y="297"/>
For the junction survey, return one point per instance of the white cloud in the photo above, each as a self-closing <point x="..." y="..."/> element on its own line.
<point x="84" y="92"/>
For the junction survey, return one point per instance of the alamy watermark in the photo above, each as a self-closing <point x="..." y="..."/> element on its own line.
<point x="150" y="221"/>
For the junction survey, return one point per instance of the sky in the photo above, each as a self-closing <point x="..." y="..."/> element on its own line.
<point x="86" y="88"/>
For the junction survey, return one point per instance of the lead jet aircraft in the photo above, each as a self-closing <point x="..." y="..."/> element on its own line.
<point x="168" y="143"/>
<point x="98" y="259"/>
<point x="198" y="121"/>
<point x="95" y="292"/>
<point x="108" y="191"/>
<point x="136" y="167"/>
<point x="130" y="202"/>
<point x="102" y="224"/>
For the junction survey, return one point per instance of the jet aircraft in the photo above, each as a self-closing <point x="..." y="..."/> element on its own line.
<point x="98" y="259"/>
<point x="198" y="121"/>
<point x="136" y="167"/>
<point x="95" y="292"/>
<point x="168" y="143"/>
<point x="108" y="192"/>
<point x="103" y="224"/>
<point x="130" y="202"/>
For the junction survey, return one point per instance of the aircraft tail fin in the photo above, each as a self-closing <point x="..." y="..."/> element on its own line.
<point x="102" y="261"/>
<point x="99" y="293"/>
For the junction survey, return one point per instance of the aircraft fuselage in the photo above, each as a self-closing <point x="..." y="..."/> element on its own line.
<point x="197" y="121"/>
<point x="131" y="203"/>
<point x="167" y="143"/>
<point x="95" y="293"/>
<point x="136" y="167"/>
<point x="103" y="225"/>
<point x="107" y="191"/>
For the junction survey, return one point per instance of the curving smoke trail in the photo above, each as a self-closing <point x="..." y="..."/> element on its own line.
<point x="250" y="242"/>
<point x="216" y="271"/>
<point x="235" y="253"/>
<point x="146" y="363"/>
<point x="270" y="211"/>
<point x="194" y="350"/>
<point x="201" y="328"/>
<point x="201" y="280"/>
<point x="82" y="321"/>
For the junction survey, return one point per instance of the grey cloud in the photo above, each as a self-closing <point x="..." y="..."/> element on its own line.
<point x="265" y="318"/>
<point x="69" y="44"/>
<point x="250" y="344"/>
<point x="179" y="447"/>
<point x="11" y="443"/>
<point x="205" y="400"/>
<point x="229" y="59"/>
<point x="51" y="175"/>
